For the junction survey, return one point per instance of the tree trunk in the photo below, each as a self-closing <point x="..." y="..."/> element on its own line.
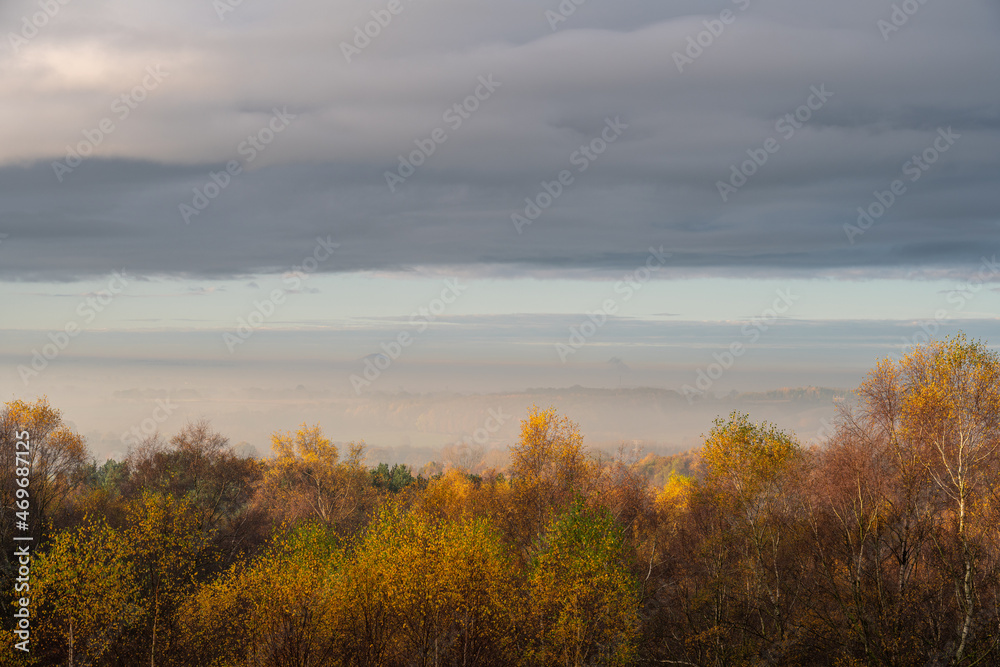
<point x="156" y="613"/>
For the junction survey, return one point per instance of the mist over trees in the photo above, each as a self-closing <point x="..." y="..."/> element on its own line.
<point x="879" y="546"/>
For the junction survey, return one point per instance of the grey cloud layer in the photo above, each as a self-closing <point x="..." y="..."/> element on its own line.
<point x="324" y="175"/>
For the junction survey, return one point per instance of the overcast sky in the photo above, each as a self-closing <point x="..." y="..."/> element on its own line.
<point x="708" y="154"/>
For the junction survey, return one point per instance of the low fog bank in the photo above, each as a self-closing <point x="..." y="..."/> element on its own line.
<point x="113" y="408"/>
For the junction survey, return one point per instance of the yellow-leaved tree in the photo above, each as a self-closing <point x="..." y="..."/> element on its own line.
<point x="548" y="467"/>
<point x="673" y="499"/>
<point x="56" y="461"/>
<point x="417" y="588"/>
<point x="307" y="478"/>
<point x="278" y="610"/>
<point x="169" y="552"/>
<point x="744" y="559"/>
<point x="949" y="399"/>
<point x="583" y="603"/>
<point x="85" y="593"/>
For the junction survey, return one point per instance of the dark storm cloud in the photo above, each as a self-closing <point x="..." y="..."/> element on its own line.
<point x="324" y="174"/>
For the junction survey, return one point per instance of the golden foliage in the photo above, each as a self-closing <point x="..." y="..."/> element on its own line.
<point x="86" y="585"/>
<point x="307" y="477"/>
<point x="548" y="467"/>
<point x="275" y="611"/>
<point x="584" y="603"/>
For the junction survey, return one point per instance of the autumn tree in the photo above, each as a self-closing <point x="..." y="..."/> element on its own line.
<point x="199" y="466"/>
<point x="419" y="590"/>
<point x="934" y="417"/>
<point x="951" y="411"/>
<point x="870" y="516"/>
<point x="583" y="601"/>
<point x="548" y="467"/>
<point x="85" y="593"/>
<point x="169" y="554"/>
<point x="57" y="463"/>
<point x="364" y="604"/>
<point x="729" y="579"/>
<point x="275" y="611"/>
<point x="58" y="460"/>
<point x="622" y="487"/>
<point x="308" y="479"/>
<point x="750" y="468"/>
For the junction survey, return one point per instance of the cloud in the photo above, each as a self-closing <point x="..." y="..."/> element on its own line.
<point x="324" y="174"/>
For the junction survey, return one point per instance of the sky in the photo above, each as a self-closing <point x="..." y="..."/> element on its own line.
<point x="443" y="196"/>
